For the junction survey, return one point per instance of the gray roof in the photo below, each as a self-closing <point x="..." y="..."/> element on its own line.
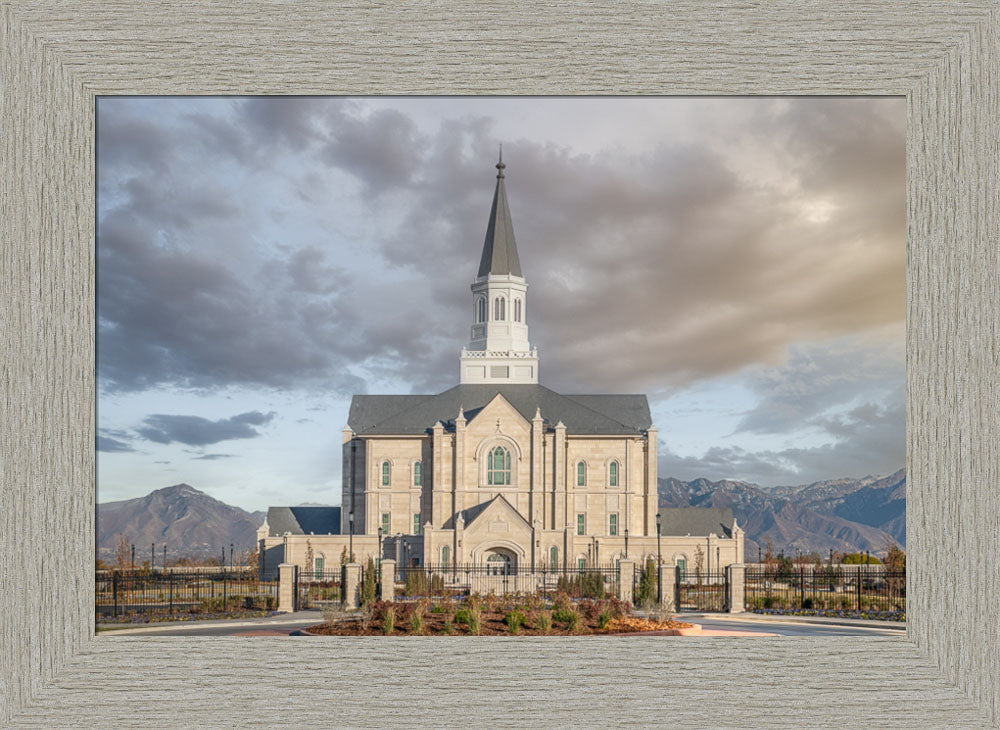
<point x="681" y="521"/>
<point x="500" y="249"/>
<point x="303" y="520"/>
<point x="610" y="415"/>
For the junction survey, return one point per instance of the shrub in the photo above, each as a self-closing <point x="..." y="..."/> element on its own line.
<point x="807" y="603"/>
<point x="388" y="620"/>
<point x="416" y="623"/>
<point x="462" y="616"/>
<point x="568" y="616"/>
<point x="604" y="618"/>
<point x="544" y="622"/>
<point x="592" y="585"/>
<point x="421" y="583"/>
<point x="448" y="628"/>
<point x="515" y="620"/>
<point x="438" y="609"/>
<point x="474" y="622"/>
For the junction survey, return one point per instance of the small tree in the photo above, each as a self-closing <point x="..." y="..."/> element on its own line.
<point x="368" y="585"/>
<point x="646" y="595"/>
<point x="343" y="556"/>
<point x="699" y="559"/>
<point x="309" y="556"/>
<point x="122" y="551"/>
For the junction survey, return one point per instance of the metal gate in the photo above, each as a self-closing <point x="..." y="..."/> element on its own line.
<point x="701" y="591"/>
<point x="318" y="588"/>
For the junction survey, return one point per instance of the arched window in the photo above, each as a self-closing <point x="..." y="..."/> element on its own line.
<point x="417" y="475"/>
<point x="482" y="310"/>
<point x="581" y="474"/>
<point x="444" y="555"/>
<point x="613" y="474"/>
<point x="318" y="564"/>
<point x="517" y="310"/>
<point x="498" y="466"/>
<point x="553" y="556"/>
<point x="499" y="309"/>
<point x="385" y="473"/>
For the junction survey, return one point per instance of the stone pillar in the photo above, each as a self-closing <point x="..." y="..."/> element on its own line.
<point x="668" y="586"/>
<point x="388" y="583"/>
<point x="352" y="581"/>
<point x="626" y="580"/>
<point x="735" y="599"/>
<point x="287" y="578"/>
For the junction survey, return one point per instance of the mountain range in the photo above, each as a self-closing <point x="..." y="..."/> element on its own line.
<point x="845" y="515"/>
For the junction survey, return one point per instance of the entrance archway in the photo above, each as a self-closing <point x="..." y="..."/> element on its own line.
<point x="501" y="561"/>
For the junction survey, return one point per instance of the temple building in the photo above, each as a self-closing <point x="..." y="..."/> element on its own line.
<point x="499" y="470"/>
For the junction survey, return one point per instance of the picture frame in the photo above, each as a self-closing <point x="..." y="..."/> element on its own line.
<point x="56" y="58"/>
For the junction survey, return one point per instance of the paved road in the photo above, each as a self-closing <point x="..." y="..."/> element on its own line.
<point x="284" y="625"/>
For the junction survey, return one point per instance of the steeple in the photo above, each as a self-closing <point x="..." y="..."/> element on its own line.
<point x="499" y="351"/>
<point x="500" y="249"/>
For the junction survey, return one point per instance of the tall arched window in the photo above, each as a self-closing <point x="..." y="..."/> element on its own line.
<point x="581" y="474"/>
<point x="613" y="474"/>
<point x="385" y="473"/>
<point x="517" y="310"/>
<point x="553" y="556"/>
<point x="498" y="467"/>
<point x="499" y="309"/>
<point x="444" y="555"/>
<point x="417" y="474"/>
<point x="482" y="310"/>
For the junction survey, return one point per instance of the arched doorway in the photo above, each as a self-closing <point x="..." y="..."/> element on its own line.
<point x="500" y="561"/>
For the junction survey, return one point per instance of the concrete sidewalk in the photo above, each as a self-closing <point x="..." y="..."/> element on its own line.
<point x="284" y="619"/>
<point x="822" y="620"/>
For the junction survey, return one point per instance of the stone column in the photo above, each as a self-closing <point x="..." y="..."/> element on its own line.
<point x="626" y="579"/>
<point x="287" y="574"/>
<point x="388" y="582"/>
<point x="737" y="587"/>
<point x="668" y="584"/>
<point x="352" y="581"/>
<point x="536" y="511"/>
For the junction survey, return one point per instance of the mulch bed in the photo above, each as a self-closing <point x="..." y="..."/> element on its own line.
<point x="492" y="624"/>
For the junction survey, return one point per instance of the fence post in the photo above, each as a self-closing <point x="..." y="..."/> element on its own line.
<point x="114" y="591"/>
<point x="352" y="579"/>
<point x="666" y="590"/>
<point x="287" y="589"/>
<point x="736" y="584"/>
<point x="859" y="588"/>
<point x="626" y="580"/>
<point x="387" y="587"/>
<point x="170" y="590"/>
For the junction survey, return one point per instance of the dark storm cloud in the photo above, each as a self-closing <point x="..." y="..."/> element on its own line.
<point x="645" y="272"/>
<point x="196" y="431"/>
<point x="110" y="445"/>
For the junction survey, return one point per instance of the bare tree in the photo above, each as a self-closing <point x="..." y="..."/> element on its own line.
<point x="699" y="558"/>
<point x="309" y="555"/>
<point x="122" y="551"/>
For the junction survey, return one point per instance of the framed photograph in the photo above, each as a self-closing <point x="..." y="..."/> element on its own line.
<point x="943" y="60"/>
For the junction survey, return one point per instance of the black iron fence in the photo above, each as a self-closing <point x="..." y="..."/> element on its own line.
<point x="439" y="581"/>
<point x="858" y="588"/>
<point x="703" y="591"/>
<point x="125" y="592"/>
<point x="318" y="588"/>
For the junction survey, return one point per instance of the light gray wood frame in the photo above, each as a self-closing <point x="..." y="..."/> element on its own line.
<point x="55" y="57"/>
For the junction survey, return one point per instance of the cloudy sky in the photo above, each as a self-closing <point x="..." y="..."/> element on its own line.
<point x="260" y="260"/>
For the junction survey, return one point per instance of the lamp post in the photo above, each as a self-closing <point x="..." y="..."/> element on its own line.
<point x="350" y="517"/>
<point x="164" y="557"/>
<point x="230" y="556"/>
<point x="380" y="542"/>
<point x="132" y="561"/>
<point x="152" y="556"/>
<point x="626" y="543"/>
<point x="597" y="553"/>
<point x="759" y="559"/>
<point x="659" y="559"/>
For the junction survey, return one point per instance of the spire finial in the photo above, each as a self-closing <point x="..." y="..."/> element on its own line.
<point x="500" y="165"/>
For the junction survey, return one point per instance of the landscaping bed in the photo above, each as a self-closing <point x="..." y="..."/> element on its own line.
<point x="834" y="613"/>
<point x="492" y="616"/>
<point x="137" y="619"/>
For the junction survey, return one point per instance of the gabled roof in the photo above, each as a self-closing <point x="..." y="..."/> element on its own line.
<point x="303" y="520"/>
<point x="500" y="249"/>
<point x="696" y="521"/>
<point x="610" y="415"/>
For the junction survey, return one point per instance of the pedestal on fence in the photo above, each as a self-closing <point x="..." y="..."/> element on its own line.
<point x="626" y="580"/>
<point x="286" y="587"/>
<point x="736" y="579"/>
<point x="387" y="586"/>
<point x="352" y="581"/>
<point x="667" y="586"/>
